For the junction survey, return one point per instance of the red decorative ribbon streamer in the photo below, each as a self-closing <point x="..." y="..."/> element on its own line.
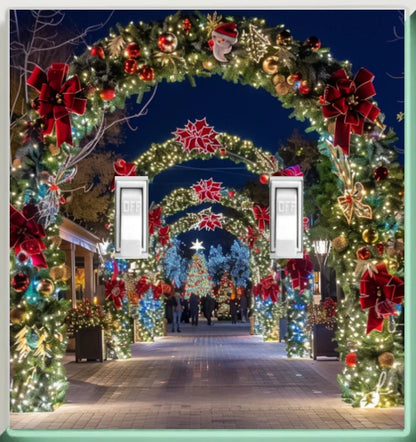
<point x="262" y="215"/>
<point x="26" y="234"/>
<point x="121" y="168"/>
<point x="299" y="270"/>
<point x="115" y="289"/>
<point x="164" y="235"/>
<point x="57" y="98"/>
<point x="290" y="171"/>
<point x="154" y="219"/>
<point x="348" y="101"/>
<point x="378" y="293"/>
<point x="251" y="237"/>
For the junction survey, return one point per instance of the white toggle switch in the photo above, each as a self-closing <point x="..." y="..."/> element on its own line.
<point x="131" y="217"/>
<point x="286" y="217"/>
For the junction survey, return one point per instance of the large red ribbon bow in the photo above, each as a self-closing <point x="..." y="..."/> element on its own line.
<point x="142" y="286"/>
<point x="262" y="215"/>
<point x="378" y="293"/>
<point x="348" y="101"/>
<point x="57" y="98"/>
<point x="251" y="237"/>
<point x="299" y="270"/>
<point x="115" y="289"/>
<point x="121" y="168"/>
<point x="26" y="234"/>
<point x="269" y="288"/>
<point x="154" y="219"/>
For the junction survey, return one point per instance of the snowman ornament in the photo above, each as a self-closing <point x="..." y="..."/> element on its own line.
<point x="224" y="37"/>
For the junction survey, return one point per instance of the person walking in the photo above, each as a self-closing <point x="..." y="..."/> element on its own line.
<point x="194" y="308"/>
<point x="177" y="309"/>
<point x="209" y="308"/>
<point x="243" y="307"/>
<point x="185" y="309"/>
<point x="233" y="309"/>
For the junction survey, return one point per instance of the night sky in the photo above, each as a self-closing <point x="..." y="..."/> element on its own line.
<point x="364" y="37"/>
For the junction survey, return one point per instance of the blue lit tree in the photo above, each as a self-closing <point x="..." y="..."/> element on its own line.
<point x="175" y="264"/>
<point x="218" y="263"/>
<point x="239" y="264"/>
<point x="150" y="317"/>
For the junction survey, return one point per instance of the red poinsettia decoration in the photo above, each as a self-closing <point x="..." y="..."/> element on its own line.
<point x="57" y="99"/>
<point x="26" y="234"/>
<point x="210" y="221"/>
<point x="290" y="171"/>
<point x="208" y="190"/>
<point x="142" y="286"/>
<point x="121" y="168"/>
<point x="154" y="219"/>
<point x="115" y="291"/>
<point x="164" y="235"/>
<point x="251" y="237"/>
<point x="198" y="136"/>
<point x="379" y="293"/>
<point x="262" y="215"/>
<point x="300" y="271"/>
<point x="348" y="101"/>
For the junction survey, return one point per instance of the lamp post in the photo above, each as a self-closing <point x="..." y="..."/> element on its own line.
<point x="322" y="249"/>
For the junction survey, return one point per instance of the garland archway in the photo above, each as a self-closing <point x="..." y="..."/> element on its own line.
<point x="303" y="76"/>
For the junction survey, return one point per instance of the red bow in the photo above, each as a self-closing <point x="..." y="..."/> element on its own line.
<point x="290" y="171"/>
<point x="57" y="99"/>
<point x="115" y="291"/>
<point x="269" y="288"/>
<point x="121" y="168"/>
<point x="26" y="234"/>
<point x="251" y="237"/>
<point x="347" y="100"/>
<point x="154" y="219"/>
<point x="164" y="235"/>
<point x="142" y="286"/>
<point x="262" y="215"/>
<point x="378" y="293"/>
<point x="157" y="291"/>
<point x="299" y="270"/>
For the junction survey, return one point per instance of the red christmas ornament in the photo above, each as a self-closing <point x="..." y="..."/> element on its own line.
<point x="257" y="251"/>
<point x="20" y="282"/>
<point x="132" y="50"/>
<point x="351" y="360"/>
<point x="314" y="43"/>
<point x="231" y="193"/>
<point x="97" y="51"/>
<point x="264" y="178"/>
<point x="293" y="78"/>
<point x="304" y="88"/>
<point x="380" y="248"/>
<point x="146" y="73"/>
<point x="223" y="151"/>
<point x="380" y="173"/>
<point x="130" y="66"/>
<point x="363" y="253"/>
<point x="108" y="94"/>
<point x="167" y="42"/>
<point x="186" y="25"/>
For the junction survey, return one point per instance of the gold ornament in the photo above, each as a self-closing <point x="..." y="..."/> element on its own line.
<point x="279" y="78"/>
<point x="212" y="22"/>
<point x="256" y="42"/>
<point x="208" y="64"/>
<point x="280" y="84"/>
<point x="16" y="163"/>
<point x="270" y="65"/>
<point x="370" y="236"/>
<point x="54" y="149"/>
<point x="116" y="45"/>
<point x="386" y="359"/>
<point x="60" y="273"/>
<point x="45" y="287"/>
<point x="370" y="400"/>
<point x="340" y="243"/>
<point x="16" y="316"/>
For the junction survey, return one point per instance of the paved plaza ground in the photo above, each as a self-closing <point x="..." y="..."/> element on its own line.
<point x="216" y="377"/>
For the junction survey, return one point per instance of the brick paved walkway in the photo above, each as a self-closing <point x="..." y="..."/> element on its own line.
<point x="207" y="377"/>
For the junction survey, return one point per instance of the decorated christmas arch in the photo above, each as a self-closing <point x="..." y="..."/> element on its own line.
<point x="68" y="116"/>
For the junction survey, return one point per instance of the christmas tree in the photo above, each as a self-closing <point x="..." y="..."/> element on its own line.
<point x="239" y="264"/>
<point x="225" y="290"/>
<point x="175" y="264"/>
<point x="217" y="263"/>
<point x="198" y="280"/>
<point x="119" y="334"/>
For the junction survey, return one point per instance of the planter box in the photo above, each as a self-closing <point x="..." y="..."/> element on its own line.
<point x="90" y="345"/>
<point x="322" y="343"/>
